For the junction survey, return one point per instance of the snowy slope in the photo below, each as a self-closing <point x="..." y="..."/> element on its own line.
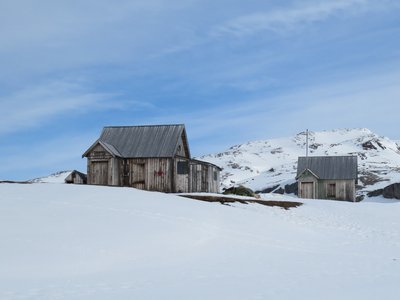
<point x="58" y="177"/>
<point x="264" y="164"/>
<point x="79" y="242"/>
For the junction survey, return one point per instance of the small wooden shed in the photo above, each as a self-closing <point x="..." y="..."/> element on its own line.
<point x="76" y="177"/>
<point x="151" y="157"/>
<point x="327" y="177"/>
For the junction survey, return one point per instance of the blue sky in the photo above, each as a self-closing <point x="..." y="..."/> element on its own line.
<point x="231" y="71"/>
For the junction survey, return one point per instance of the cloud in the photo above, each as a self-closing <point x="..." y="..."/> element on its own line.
<point x="38" y="105"/>
<point x="357" y="101"/>
<point x="288" y="19"/>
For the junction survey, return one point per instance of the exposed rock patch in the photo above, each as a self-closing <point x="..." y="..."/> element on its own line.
<point x="392" y="191"/>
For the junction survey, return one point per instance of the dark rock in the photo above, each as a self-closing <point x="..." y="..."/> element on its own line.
<point x="360" y="198"/>
<point x="315" y="146"/>
<point x="279" y="191"/>
<point x="375" y="193"/>
<point x="268" y="190"/>
<point x="368" y="146"/>
<point x="291" y="188"/>
<point x="392" y="191"/>
<point x="240" y="190"/>
<point x="276" y="150"/>
<point x="369" y="178"/>
<point x="380" y="145"/>
<point x="234" y="165"/>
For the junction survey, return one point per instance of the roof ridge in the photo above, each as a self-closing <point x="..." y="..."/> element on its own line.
<point x="153" y="125"/>
<point x="327" y="156"/>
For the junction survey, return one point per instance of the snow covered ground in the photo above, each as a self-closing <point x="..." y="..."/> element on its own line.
<point x="58" y="177"/>
<point x="71" y="242"/>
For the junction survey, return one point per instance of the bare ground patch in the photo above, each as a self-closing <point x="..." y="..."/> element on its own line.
<point x="226" y="200"/>
<point x="18" y="182"/>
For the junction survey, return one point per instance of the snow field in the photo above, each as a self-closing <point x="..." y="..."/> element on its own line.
<point x="88" y="242"/>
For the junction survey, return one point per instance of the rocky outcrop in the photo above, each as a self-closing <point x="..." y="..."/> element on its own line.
<point x="368" y="145"/>
<point x="291" y="188"/>
<point x="268" y="190"/>
<point x="240" y="190"/>
<point x="392" y="191"/>
<point x="375" y="193"/>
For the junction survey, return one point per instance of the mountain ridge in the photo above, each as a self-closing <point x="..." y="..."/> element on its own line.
<point x="266" y="165"/>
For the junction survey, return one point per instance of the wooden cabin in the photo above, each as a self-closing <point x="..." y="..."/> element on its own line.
<point x="327" y="177"/>
<point x="153" y="158"/>
<point x="76" y="177"/>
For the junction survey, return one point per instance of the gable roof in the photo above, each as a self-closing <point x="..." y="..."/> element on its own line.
<point x="329" y="167"/>
<point x="142" y="141"/>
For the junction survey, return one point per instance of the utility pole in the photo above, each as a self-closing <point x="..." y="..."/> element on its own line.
<point x="307" y="143"/>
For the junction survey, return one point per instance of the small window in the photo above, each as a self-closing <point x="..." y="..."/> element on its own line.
<point x="183" y="167"/>
<point x="331" y="193"/>
<point x="215" y="175"/>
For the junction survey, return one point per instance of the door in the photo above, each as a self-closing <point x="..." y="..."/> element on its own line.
<point x="100" y="173"/>
<point x="137" y="176"/>
<point x="307" y="190"/>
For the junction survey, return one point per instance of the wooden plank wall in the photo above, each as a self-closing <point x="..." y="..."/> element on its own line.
<point x="345" y="189"/>
<point x="202" y="178"/>
<point x="99" y="168"/>
<point x="308" y="178"/>
<point x="182" y="181"/>
<point x="153" y="174"/>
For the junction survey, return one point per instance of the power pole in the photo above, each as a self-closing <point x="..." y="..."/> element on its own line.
<point x="307" y="143"/>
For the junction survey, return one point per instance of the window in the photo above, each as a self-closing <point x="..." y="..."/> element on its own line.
<point x="215" y="175"/>
<point x="331" y="192"/>
<point x="183" y="167"/>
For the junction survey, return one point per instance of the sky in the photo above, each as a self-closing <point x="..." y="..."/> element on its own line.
<point x="231" y="71"/>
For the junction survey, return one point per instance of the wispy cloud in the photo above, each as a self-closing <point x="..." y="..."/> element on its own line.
<point x="289" y="18"/>
<point x="38" y="105"/>
<point x="347" y="102"/>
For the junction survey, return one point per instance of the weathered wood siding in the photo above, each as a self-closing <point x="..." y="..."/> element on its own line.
<point x="99" y="168"/>
<point x="182" y="181"/>
<point x="344" y="189"/>
<point x="307" y="178"/>
<point x="75" y="178"/>
<point x="204" y="178"/>
<point x="152" y="174"/>
<point x="181" y="149"/>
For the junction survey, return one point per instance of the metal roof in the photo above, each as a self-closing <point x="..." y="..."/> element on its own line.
<point x="329" y="167"/>
<point x="142" y="141"/>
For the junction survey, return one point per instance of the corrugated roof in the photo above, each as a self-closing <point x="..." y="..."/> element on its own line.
<point x="329" y="167"/>
<point x="142" y="141"/>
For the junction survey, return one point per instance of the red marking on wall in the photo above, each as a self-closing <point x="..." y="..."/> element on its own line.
<point x="158" y="173"/>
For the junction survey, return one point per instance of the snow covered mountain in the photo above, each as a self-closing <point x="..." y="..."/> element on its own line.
<point x="272" y="164"/>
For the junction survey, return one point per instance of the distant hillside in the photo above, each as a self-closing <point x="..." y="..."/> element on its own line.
<point x="58" y="177"/>
<point x="264" y="164"/>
